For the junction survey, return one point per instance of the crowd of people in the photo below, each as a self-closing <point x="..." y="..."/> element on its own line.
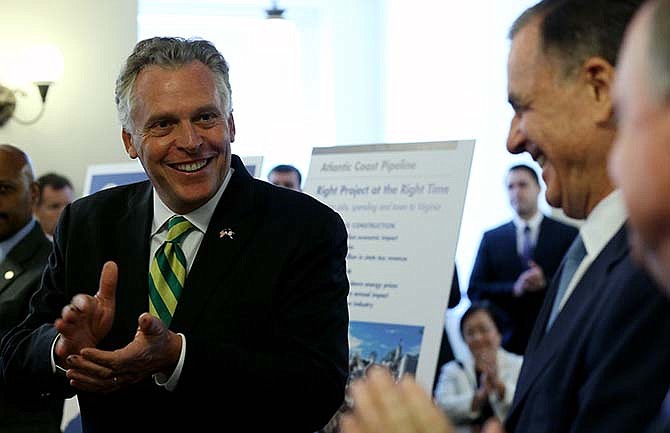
<point x="140" y="297"/>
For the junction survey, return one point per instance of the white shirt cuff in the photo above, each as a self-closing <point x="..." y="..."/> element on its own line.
<point x="55" y="367"/>
<point x="170" y="383"/>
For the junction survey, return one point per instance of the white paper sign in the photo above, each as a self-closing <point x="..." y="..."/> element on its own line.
<point x="402" y="204"/>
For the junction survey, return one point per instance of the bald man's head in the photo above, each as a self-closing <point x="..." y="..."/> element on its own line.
<point x="18" y="190"/>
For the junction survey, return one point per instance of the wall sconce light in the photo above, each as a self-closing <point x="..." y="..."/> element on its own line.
<point x="274" y="12"/>
<point x="44" y="65"/>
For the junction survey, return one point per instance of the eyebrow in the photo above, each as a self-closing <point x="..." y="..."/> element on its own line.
<point x="171" y="116"/>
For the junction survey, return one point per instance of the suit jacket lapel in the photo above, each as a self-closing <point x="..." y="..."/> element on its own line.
<point x="510" y="248"/>
<point x="19" y="255"/>
<point x="542" y="346"/>
<point x="236" y="211"/>
<point x="544" y="238"/>
<point x="133" y="235"/>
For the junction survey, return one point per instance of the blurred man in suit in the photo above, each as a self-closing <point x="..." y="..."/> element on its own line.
<point x="595" y="344"/>
<point x="167" y="304"/>
<point x="517" y="260"/>
<point x="640" y="162"/>
<point x="23" y="255"/>
<point x="56" y="192"/>
<point x="287" y="176"/>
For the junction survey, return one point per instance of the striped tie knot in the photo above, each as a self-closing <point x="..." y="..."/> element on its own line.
<point x="167" y="274"/>
<point x="178" y="228"/>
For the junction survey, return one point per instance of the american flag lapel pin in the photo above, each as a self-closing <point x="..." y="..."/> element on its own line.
<point x="226" y="232"/>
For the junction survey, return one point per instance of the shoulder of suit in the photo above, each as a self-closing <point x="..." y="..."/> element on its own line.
<point x="502" y="228"/>
<point x="557" y="223"/>
<point x="112" y="198"/>
<point x="33" y="248"/>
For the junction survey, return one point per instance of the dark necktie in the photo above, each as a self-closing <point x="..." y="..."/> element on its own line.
<point x="526" y="247"/>
<point x="573" y="258"/>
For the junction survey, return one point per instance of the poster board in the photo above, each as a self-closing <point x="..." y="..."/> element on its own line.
<point x="402" y="205"/>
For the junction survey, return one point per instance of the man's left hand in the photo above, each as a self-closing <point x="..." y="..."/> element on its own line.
<point x="154" y="349"/>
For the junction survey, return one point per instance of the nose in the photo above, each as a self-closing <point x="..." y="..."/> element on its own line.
<point x="189" y="139"/>
<point x="516" y="139"/>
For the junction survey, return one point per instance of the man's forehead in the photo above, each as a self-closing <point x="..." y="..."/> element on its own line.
<point x="11" y="164"/>
<point x="518" y="176"/>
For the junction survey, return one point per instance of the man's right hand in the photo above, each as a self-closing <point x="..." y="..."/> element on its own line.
<point x="531" y="280"/>
<point x="87" y="319"/>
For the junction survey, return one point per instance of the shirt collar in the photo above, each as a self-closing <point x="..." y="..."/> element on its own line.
<point x="534" y="222"/>
<point x="603" y="223"/>
<point x="7" y="245"/>
<point x="199" y="217"/>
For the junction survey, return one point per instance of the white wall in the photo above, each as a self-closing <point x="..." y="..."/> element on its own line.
<point x="447" y="80"/>
<point x="79" y="126"/>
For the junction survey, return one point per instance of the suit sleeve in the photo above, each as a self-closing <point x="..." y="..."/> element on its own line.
<point x="628" y="361"/>
<point x="483" y="281"/>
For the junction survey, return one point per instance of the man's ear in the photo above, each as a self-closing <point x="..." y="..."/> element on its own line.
<point x="231" y="127"/>
<point x="128" y="142"/>
<point x="598" y="74"/>
<point x="34" y="194"/>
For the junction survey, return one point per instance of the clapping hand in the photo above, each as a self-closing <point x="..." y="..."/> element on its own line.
<point x="154" y="349"/>
<point x="383" y="406"/>
<point x="87" y="319"/>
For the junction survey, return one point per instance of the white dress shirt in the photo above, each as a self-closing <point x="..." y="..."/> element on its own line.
<point x="605" y="220"/>
<point x="200" y="218"/>
<point x="533" y="224"/>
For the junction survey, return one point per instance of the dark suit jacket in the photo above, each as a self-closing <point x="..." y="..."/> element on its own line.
<point x="264" y="314"/>
<point x="662" y="422"/>
<point x="602" y="367"/>
<point x="446" y="352"/>
<point x="26" y="261"/>
<point x="498" y="266"/>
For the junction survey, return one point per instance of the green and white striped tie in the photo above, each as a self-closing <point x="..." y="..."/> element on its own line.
<point x="168" y="271"/>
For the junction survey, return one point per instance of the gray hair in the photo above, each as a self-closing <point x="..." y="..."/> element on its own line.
<point x="575" y="30"/>
<point x="169" y="53"/>
<point x="659" y="51"/>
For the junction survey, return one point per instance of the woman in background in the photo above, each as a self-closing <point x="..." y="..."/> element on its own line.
<point x="472" y="390"/>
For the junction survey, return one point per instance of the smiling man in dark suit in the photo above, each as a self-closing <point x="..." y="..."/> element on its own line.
<point x="23" y="255"/>
<point x="198" y="319"/>
<point x="598" y="355"/>
<point x="517" y="260"/>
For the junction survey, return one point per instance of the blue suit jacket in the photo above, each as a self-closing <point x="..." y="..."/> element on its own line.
<point x="602" y="367"/>
<point x="264" y="314"/>
<point x="498" y="266"/>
